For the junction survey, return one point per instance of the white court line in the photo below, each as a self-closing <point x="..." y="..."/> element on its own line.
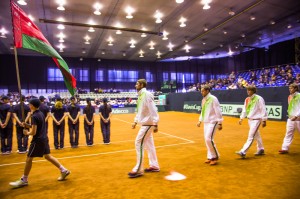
<point x="111" y="152"/>
<point x="89" y="155"/>
<point x="190" y="141"/>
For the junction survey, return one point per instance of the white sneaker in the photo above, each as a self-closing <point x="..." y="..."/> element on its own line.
<point x="18" y="183"/>
<point x="63" y="175"/>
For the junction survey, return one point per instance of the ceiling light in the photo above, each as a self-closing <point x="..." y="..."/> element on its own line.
<point x="81" y="59"/>
<point x="187" y="48"/>
<point x="61" y="27"/>
<point x="97" y="12"/>
<point x="11" y="47"/>
<point x="141" y="53"/>
<point x="205" y="28"/>
<point x="206" y="6"/>
<point x="110" y="43"/>
<point x="231" y="12"/>
<point x="118" y="32"/>
<point x="221" y="45"/>
<point x="97" y="7"/>
<point x="87" y="42"/>
<point x="170" y="46"/>
<point x="83" y="52"/>
<point x="165" y="35"/>
<point x="61" y="40"/>
<point x="31" y="17"/>
<point x="289" y="26"/>
<point x="129" y="10"/>
<point x="103" y="52"/>
<point x="158" y="16"/>
<point x="124" y="54"/>
<point x="110" y="40"/>
<point x="158" y="54"/>
<point x="22" y="2"/>
<point x="224" y="32"/>
<point x="272" y="22"/>
<point x="61" y="4"/>
<point x="252" y="18"/>
<point x="230" y="52"/>
<point x="132" y="42"/>
<point x="91" y="29"/>
<point x="243" y="35"/>
<point x="61" y="46"/>
<point x="99" y="60"/>
<point x="3" y="32"/>
<point x="179" y="1"/>
<point x="61" y="50"/>
<point x="182" y="21"/>
<point x="143" y="35"/>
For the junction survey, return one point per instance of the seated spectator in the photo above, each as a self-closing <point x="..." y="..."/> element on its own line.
<point x="232" y="76"/>
<point x="297" y="80"/>
<point x="253" y="76"/>
<point x="289" y="79"/>
<point x="232" y="86"/>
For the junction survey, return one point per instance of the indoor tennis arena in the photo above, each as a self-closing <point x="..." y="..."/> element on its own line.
<point x="235" y="60"/>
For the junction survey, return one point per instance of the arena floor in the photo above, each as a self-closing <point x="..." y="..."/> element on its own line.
<point x="101" y="171"/>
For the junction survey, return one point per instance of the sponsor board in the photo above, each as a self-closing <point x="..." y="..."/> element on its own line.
<point x="273" y="111"/>
<point x="192" y="106"/>
<point x="123" y="110"/>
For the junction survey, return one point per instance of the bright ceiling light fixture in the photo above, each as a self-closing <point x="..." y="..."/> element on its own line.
<point x="158" y="17"/>
<point x="205" y="4"/>
<point x="182" y="21"/>
<point x="179" y="1"/>
<point x="110" y="40"/>
<point x="141" y="53"/>
<point x="151" y="44"/>
<point x="22" y="2"/>
<point x="158" y="54"/>
<point x="118" y="32"/>
<point x="165" y="35"/>
<point x="252" y="18"/>
<point x="144" y="34"/>
<point x="132" y="42"/>
<point x="170" y="46"/>
<point x="61" y="4"/>
<point x="231" y="12"/>
<point x="91" y="29"/>
<point x="97" y="7"/>
<point x="187" y="48"/>
<point x="230" y="52"/>
<point x="31" y="17"/>
<point x="129" y="10"/>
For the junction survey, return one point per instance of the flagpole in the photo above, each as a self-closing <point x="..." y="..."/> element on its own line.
<point x="17" y="67"/>
<point x="19" y="83"/>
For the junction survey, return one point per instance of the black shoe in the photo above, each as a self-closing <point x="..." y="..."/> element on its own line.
<point x="134" y="174"/>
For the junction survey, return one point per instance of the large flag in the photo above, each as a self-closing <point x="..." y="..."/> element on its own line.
<point x="28" y="35"/>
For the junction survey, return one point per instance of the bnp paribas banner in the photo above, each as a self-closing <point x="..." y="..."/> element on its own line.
<point x="274" y="111"/>
<point x="192" y="106"/>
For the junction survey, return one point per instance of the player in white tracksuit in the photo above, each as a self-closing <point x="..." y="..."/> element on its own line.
<point x="293" y="121"/>
<point x="211" y="116"/>
<point x="147" y="116"/>
<point x="255" y="110"/>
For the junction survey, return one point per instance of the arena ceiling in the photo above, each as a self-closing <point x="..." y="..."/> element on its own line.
<point x="228" y="25"/>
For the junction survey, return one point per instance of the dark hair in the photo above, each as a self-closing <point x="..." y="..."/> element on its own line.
<point x="35" y="102"/>
<point x="206" y="87"/>
<point x="251" y="88"/>
<point x="143" y="82"/>
<point x="295" y="86"/>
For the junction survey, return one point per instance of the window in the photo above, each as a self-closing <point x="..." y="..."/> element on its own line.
<point x="84" y="75"/>
<point x="99" y="76"/>
<point x="165" y="76"/>
<point x="54" y="74"/>
<point x="150" y="77"/>
<point x="122" y="76"/>
<point x="186" y="78"/>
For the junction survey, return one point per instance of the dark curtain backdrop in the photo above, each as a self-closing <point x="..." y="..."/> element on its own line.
<point x="33" y="69"/>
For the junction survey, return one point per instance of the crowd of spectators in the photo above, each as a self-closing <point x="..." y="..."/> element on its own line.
<point x="282" y="75"/>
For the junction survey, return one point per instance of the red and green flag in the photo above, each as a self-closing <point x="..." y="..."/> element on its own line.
<point x="28" y="35"/>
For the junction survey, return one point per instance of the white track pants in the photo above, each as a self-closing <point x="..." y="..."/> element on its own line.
<point x="291" y="126"/>
<point x="209" y="132"/>
<point x="143" y="139"/>
<point x="253" y="134"/>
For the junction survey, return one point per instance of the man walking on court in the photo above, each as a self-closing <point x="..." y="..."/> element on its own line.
<point x="147" y="116"/>
<point x="39" y="146"/>
<point x="255" y="110"/>
<point x="293" y="121"/>
<point x="211" y="115"/>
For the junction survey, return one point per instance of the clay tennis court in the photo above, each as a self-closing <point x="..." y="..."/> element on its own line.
<point x="101" y="171"/>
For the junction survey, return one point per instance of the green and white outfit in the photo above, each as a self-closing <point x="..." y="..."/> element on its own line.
<point x="255" y="110"/>
<point x="291" y="126"/>
<point x="211" y="116"/>
<point x="147" y="116"/>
